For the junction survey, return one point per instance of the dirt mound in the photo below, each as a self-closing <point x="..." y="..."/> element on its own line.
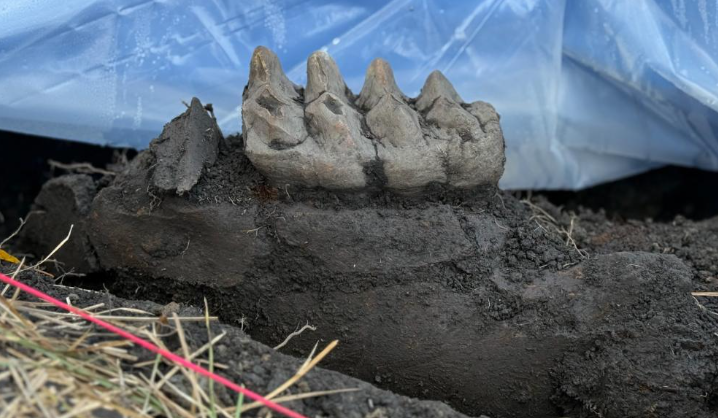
<point x="460" y="297"/>
<point x="694" y="242"/>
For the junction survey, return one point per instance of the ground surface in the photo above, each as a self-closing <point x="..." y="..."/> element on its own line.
<point x="257" y="366"/>
<point x="694" y="242"/>
<point x="482" y="301"/>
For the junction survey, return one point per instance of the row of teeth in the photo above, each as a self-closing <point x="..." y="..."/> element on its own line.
<point x="325" y="136"/>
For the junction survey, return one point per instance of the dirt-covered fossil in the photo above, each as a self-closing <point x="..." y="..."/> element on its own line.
<point x="456" y="295"/>
<point x="325" y="136"/>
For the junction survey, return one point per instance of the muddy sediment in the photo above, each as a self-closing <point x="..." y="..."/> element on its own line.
<point x="459" y="297"/>
<point x="259" y="367"/>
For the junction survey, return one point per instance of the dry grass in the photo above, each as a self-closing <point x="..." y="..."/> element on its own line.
<point x="706" y="294"/>
<point x="54" y="364"/>
<point x="550" y="224"/>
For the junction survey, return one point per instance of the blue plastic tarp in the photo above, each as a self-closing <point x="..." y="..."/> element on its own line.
<point x="588" y="90"/>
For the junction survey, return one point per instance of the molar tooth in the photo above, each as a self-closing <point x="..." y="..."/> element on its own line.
<point x="379" y="82"/>
<point x="486" y="114"/>
<point x="323" y="76"/>
<point x="462" y="141"/>
<point x="437" y="85"/>
<point x="449" y="116"/>
<point x="408" y="161"/>
<point x="265" y="69"/>
<point x="273" y="121"/>
<point x="394" y="122"/>
<point x="343" y="151"/>
<point x="473" y="142"/>
<point x="276" y="120"/>
<point x="322" y="142"/>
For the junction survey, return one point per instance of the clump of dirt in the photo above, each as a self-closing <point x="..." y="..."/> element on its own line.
<point x="649" y="319"/>
<point x="27" y="167"/>
<point x="694" y="242"/>
<point x="232" y="179"/>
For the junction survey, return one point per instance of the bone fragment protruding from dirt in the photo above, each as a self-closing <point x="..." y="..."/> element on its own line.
<point x="187" y="145"/>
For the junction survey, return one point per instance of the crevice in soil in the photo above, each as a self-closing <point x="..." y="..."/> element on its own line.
<point x="660" y="194"/>
<point x="25" y="169"/>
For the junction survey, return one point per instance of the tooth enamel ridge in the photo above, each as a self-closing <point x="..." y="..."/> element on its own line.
<point x="325" y="137"/>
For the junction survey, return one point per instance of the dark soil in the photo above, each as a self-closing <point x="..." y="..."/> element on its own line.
<point x="694" y="242"/>
<point x="257" y="366"/>
<point x="466" y="298"/>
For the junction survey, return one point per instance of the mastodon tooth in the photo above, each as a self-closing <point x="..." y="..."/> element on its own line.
<point x="270" y="106"/>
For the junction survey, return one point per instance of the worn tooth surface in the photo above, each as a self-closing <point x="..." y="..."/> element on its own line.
<point x="409" y="162"/>
<point x="336" y="129"/>
<point x="273" y="122"/>
<point x="487" y="116"/>
<point x="319" y="145"/>
<point x="492" y="151"/>
<point x="270" y="111"/>
<point x="323" y="76"/>
<point x="379" y="82"/>
<point x="473" y="157"/>
<point x="459" y="135"/>
<point x="437" y="85"/>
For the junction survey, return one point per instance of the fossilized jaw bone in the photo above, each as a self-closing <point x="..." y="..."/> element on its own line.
<point x="325" y="137"/>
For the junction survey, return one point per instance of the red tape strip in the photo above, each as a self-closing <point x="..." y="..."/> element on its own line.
<point x="149" y="346"/>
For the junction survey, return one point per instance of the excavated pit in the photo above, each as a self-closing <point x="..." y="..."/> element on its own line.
<point x="459" y="298"/>
<point x="437" y="288"/>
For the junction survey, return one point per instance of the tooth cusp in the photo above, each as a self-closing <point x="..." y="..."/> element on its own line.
<point x="393" y="122"/>
<point x="323" y="76"/>
<point x="436" y="86"/>
<point x="265" y="69"/>
<point x="379" y="82"/>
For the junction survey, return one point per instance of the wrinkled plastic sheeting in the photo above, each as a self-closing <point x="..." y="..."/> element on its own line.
<point x="588" y="90"/>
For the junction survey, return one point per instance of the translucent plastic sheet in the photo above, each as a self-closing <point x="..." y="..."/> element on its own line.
<point x="588" y="90"/>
